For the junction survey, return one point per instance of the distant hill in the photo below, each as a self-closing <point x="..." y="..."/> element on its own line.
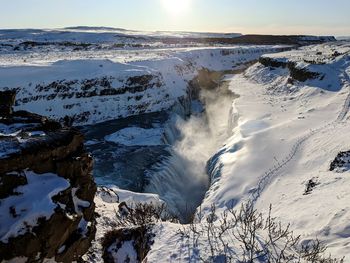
<point x="343" y="38"/>
<point x="259" y="40"/>
<point x="110" y="35"/>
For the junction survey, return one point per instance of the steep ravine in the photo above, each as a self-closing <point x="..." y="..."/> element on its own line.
<point x="193" y="130"/>
<point x="181" y="179"/>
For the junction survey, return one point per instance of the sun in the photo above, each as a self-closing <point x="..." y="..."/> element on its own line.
<point x="176" y="7"/>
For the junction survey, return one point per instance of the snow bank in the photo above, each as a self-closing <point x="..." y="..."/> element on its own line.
<point x="21" y="212"/>
<point x="135" y="136"/>
<point x="288" y="134"/>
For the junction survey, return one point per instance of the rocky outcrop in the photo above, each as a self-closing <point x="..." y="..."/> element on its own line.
<point x="87" y="88"/>
<point x="7" y="99"/>
<point x="126" y="93"/>
<point x="46" y="189"/>
<point x="299" y="74"/>
<point x="269" y="62"/>
<point x="341" y="163"/>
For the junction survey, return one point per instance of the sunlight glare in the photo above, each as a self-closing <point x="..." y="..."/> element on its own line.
<point x="176" y="7"/>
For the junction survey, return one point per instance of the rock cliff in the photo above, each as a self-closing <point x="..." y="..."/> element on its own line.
<point x="46" y="188"/>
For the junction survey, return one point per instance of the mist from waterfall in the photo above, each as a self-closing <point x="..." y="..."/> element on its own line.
<point x="181" y="180"/>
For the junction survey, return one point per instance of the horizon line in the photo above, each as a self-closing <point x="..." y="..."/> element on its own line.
<point x="155" y="31"/>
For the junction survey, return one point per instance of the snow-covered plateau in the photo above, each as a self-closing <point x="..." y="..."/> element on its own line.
<point x="183" y="137"/>
<point x="94" y="86"/>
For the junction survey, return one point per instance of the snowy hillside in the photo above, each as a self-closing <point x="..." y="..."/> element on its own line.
<point x="104" y="38"/>
<point x="287" y="134"/>
<point x="93" y="87"/>
<point x="100" y="34"/>
<point x="96" y="35"/>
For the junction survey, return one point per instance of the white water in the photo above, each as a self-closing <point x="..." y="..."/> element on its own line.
<point x="181" y="180"/>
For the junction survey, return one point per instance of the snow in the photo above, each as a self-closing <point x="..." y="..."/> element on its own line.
<point x="61" y="249"/>
<point x="282" y="134"/>
<point x="125" y="253"/>
<point x="84" y="227"/>
<point x="8" y="147"/>
<point x="10" y="130"/>
<point x="135" y="136"/>
<point x="35" y="75"/>
<point x="78" y="203"/>
<point x="253" y="127"/>
<point x="285" y="135"/>
<point x="287" y="138"/>
<point x="107" y="201"/>
<point x="12" y="138"/>
<point x="98" y="35"/>
<point x="36" y="134"/>
<point x="116" y="195"/>
<point x="30" y="204"/>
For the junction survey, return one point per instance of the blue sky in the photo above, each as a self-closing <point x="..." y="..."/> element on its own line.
<point x="327" y="17"/>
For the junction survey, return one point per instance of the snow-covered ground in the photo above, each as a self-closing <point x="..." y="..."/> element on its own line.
<point x="97" y="35"/>
<point x="107" y="202"/>
<point x="284" y="132"/>
<point x="137" y="136"/>
<point x="287" y="134"/>
<point x="29" y="204"/>
<point x="99" y="86"/>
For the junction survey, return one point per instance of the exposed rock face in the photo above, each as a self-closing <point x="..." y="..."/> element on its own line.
<point x="295" y="72"/>
<point x="46" y="189"/>
<point x="301" y="74"/>
<point x="269" y="62"/>
<point x="7" y="99"/>
<point x="105" y="88"/>
<point x="341" y="163"/>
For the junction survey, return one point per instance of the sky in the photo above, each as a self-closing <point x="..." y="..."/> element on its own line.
<point x="318" y="17"/>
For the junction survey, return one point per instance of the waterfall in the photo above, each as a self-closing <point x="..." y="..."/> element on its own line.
<point x="181" y="183"/>
<point x="181" y="180"/>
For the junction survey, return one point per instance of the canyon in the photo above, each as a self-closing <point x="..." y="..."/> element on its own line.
<point x="187" y="124"/>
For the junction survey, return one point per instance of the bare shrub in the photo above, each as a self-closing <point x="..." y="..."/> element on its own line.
<point x="143" y="215"/>
<point x="114" y="240"/>
<point x="243" y="235"/>
<point x="135" y="224"/>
